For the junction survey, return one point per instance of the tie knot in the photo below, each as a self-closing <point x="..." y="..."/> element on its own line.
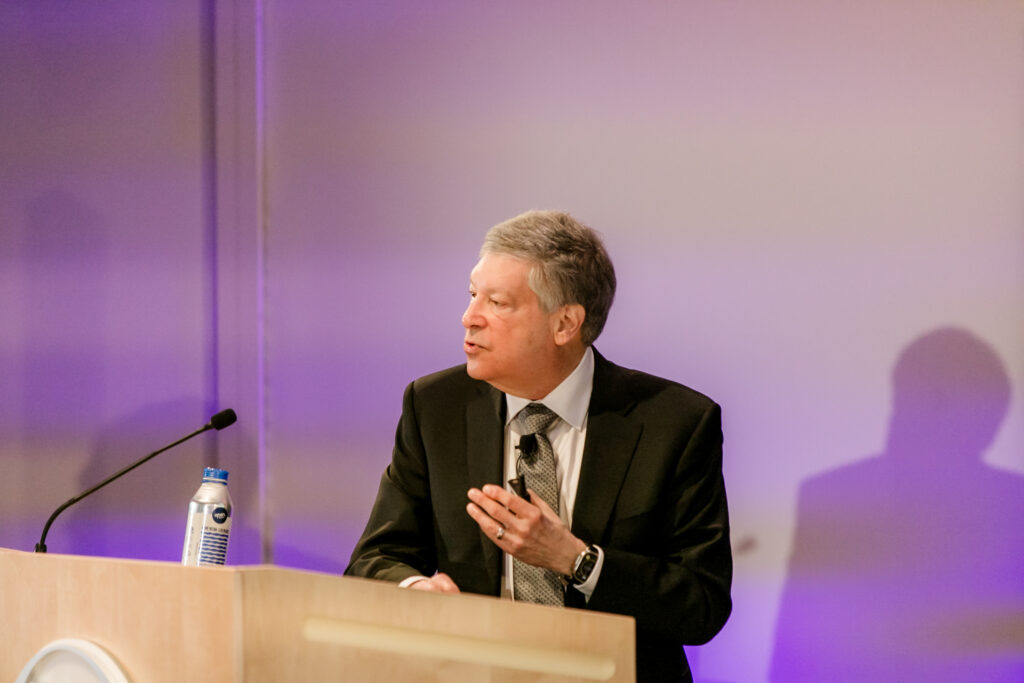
<point x="536" y="418"/>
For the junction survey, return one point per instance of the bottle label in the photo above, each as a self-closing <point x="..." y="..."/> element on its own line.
<point x="206" y="537"/>
<point x="213" y="548"/>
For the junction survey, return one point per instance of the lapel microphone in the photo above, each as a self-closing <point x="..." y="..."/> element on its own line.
<point x="527" y="448"/>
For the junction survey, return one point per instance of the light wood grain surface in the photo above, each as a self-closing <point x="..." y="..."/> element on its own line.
<point x="164" y="622"/>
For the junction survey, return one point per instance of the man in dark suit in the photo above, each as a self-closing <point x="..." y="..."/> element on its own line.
<point x="636" y="520"/>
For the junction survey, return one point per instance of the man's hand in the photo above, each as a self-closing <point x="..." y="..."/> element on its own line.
<point x="533" y="533"/>
<point x="438" y="583"/>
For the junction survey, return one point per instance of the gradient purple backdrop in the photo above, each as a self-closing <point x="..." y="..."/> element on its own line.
<point x="814" y="210"/>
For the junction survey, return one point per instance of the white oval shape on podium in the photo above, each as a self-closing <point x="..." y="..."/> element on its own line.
<point x="72" y="660"/>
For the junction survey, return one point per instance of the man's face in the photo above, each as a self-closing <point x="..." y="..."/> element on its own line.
<point x="509" y="340"/>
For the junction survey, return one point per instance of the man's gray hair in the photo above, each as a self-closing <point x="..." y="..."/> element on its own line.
<point x="570" y="264"/>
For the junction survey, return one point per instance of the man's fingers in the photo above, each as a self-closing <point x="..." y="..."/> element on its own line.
<point x="491" y="527"/>
<point x="500" y="504"/>
<point x="539" y="502"/>
<point x="497" y="494"/>
<point x="493" y="501"/>
<point x="445" y="582"/>
<point x="438" y="583"/>
<point x="508" y="520"/>
<point x="480" y="516"/>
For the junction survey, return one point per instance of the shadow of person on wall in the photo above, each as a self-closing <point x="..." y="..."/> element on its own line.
<point x="909" y="566"/>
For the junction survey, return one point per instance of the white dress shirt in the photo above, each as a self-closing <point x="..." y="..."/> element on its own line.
<point x="570" y="400"/>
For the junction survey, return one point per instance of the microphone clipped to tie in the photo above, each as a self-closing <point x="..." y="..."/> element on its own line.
<point x="527" y="448"/>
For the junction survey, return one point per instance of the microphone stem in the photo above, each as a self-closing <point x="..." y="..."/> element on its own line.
<point x="41" y="546"/>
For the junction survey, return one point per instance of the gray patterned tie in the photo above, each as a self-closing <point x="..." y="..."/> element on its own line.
<point x="536" y="584"/>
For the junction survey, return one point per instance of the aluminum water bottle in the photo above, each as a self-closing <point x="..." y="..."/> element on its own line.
<point x="209" y="521"/>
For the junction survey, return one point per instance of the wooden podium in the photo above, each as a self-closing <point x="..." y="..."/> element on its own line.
<point x="164" y="622"/>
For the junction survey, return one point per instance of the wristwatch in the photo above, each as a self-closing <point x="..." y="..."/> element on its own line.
<point x="584" y="565"/>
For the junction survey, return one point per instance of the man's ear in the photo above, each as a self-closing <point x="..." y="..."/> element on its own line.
<point x="569" y="323"/>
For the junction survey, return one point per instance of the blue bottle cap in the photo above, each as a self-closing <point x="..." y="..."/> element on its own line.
<point x="214" y="474"/>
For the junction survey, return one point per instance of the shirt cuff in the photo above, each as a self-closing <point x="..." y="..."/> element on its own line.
<point x="588" y="586"/>
<point x="410" y="580"/>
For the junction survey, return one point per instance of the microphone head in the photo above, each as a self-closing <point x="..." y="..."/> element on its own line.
<point x="224" y="418"/>
<point x="527" y="445"/>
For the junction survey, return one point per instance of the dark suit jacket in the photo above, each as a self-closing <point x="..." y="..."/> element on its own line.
<point x="650" y="494"/>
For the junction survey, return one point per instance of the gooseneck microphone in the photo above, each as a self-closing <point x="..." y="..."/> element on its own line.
<point x="224" y="418"/>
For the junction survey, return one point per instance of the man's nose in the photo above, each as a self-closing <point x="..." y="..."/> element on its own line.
<point x="472" y="317"/>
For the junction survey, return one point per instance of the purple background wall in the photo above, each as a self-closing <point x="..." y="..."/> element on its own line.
<point x="814" y="209"/>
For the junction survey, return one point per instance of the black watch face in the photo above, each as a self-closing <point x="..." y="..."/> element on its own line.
<point x="586" y="566"/>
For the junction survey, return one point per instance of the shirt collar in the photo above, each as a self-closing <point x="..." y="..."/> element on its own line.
<point x="569" y="400"/>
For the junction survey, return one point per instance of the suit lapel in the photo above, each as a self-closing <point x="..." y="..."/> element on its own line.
<point x="612" y="438"/>
<point x="485" y="439"/>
